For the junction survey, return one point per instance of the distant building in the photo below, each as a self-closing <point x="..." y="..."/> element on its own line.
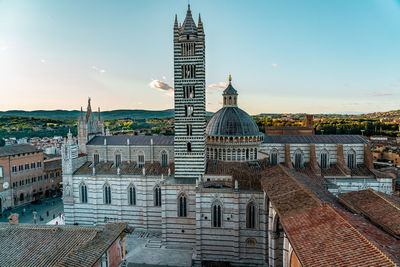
<point x="306" y="129"/>
<point x="44" y="245"/>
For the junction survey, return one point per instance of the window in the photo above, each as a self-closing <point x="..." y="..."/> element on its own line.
<point x="33" y="165"/>
<point x="251" y="215"/>
<point x="157" y="196"/>
<point x="27" y="166"/>
<point x="188" y="71"/>
<point x="46" y="176"/>
<point x="83" y="193"/>
<point x="351" y="159"/>
<point x="140" y="159"/>
<point x="117" y="160"/>
<point x="96" y="159"/>
<point x="188" y="48"/>
<point x="40" y="178"/>
<point x="182" y="208"/>
<point x="298" y="159"/>
<point x="274" y="157"/>
<point x="189" y="110"/>
<point x="20" y="168"/>
<point x="52" y="175"/>
<point x="189" y="147"/>
<point x="216" y="215"/>
<point x="188" y="91"/>
<point x="132" y="195"/>
<point x="1" y="172"/>
<point x="189" y="129"/>
<point x="39" y="164"/>
<point x="104" y="261"/>
<point x="164" y="159"/>
<point x="324" y="159"/>
<point x="14" y="169"/>
<point x="107" y="194"/>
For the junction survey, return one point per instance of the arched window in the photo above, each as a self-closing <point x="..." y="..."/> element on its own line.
<point x="189" y="147"/>
<point x="324" y="159"/>
<point x="96" y="159"/>
<point x="230" y="100"/>
<point x="140" y="159"/>
<point x="298" y="159"/>
<point x="164" y="159"/>
<point x="83" y="193"/>
<point x="216" y="215"/>
<point x="351" y="159"/>
<point x="182" y="206"/>
<point x="132" y="195"/>
<point x="107" y="194"/>
<point x="157" y="196"/>
<point x="274" y="157"/>
<point x="117" y="160"/>
<point x="247" y="154"/>
<point x="251" y="215"/>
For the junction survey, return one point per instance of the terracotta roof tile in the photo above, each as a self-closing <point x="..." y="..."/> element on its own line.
<point x="321" y="237"/>
<point x="377" y="208"/>
<point x="44" y="245"/>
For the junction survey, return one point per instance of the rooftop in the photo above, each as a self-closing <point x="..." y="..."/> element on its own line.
<point x="314" y="139"/>
<point x="126" y="168"/>
<point x="34" y="245"/>
<point x="52" y="165"/>
<point x="122" y="140"/>
<point x="381" y="209"/>
<point x="17" y="149"/>
<point x="319" y="227"/>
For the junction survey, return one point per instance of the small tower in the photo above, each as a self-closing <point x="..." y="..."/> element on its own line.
<point x="89" y="127"/>
<point x="230" y="95"/>
<point x="190" y="98"/>
<point x="69" y="152"/>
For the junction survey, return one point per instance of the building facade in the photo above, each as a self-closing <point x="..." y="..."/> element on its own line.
<point x="201" y="188"/>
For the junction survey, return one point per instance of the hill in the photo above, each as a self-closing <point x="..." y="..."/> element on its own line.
<point x="74" y="114"/>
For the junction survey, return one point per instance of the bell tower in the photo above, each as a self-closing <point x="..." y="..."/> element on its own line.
<point x="190" y="104"/>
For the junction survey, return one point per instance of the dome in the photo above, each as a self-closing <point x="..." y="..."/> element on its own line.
<point x="231" y="121"/>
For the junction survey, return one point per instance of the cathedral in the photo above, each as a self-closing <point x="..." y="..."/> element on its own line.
<point x="208" y="187"/>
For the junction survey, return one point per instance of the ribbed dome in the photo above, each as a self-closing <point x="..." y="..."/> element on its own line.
<point x="231" y="121"/>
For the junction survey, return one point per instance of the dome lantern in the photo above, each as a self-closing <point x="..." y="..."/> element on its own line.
<point x="230" y="95"/>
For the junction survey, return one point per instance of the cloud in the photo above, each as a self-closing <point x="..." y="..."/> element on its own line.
<point x="220" y="85"/>
<point x="43" y="60"/>
<point x="157" y="84"/>
<point x="3" y="48"/>
<point x="274" y="65"/>
<point x="382" y="94"/>
<point x="98" y="69"/>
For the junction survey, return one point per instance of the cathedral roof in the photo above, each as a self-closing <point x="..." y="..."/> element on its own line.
<point x="231" y="121"/>
<point x="314" y="139"/>
<point x="121" y="140"/>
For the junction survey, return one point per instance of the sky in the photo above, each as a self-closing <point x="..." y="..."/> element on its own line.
<point x="285" y="56"/>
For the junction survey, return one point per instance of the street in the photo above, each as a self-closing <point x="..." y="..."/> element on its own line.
<point x="53" y="206"/>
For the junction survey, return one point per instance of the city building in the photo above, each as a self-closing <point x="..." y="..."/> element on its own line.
<point x="26" y="176"/>
<point x="207" y="187"/>
<point x="44" y="245"/>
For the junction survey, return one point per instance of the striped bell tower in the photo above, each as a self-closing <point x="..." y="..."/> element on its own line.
<point x="190" y="98"/>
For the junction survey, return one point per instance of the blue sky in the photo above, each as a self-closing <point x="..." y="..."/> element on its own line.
<point x="284" y="56"/>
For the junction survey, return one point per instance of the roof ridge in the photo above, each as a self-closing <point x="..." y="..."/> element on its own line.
<point x="304" y="189"/>
<point x="385" y="199"/>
